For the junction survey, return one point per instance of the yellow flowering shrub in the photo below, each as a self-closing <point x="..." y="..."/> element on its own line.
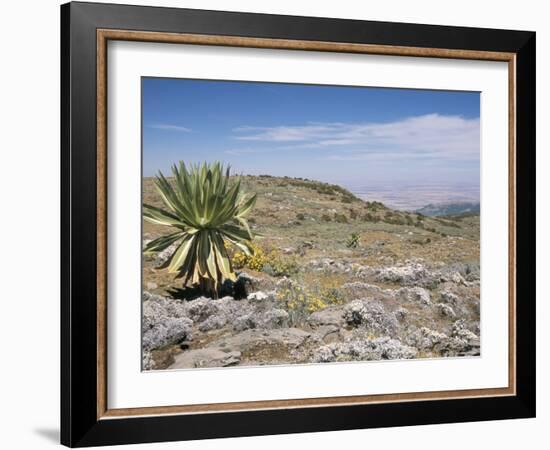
<point x="268" y="261"/>
<point x="301" y="301"/>
<point x="256" y="261"/>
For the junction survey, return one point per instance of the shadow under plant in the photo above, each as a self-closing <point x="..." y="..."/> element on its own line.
<point x="322" y="276"/>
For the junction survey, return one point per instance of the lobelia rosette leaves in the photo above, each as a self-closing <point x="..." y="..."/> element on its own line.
<point x="205" y="210"/>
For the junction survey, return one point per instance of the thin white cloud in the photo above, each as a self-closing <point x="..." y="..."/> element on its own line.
<point x="426" y="136"/>
<point x="164" y="126"/>
<point x="249" y="151"/>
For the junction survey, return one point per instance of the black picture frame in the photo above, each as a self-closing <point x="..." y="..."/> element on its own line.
<point x="80" y="425"/>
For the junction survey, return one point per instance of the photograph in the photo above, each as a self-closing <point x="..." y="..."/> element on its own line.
<point x="307" y="224"/>
<point x="286" y="222"/>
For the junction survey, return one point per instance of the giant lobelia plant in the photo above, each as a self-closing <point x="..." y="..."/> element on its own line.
<point x="206" y="210"/>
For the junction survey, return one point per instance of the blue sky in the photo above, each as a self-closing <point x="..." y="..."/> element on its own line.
<point x="346" y="135"/>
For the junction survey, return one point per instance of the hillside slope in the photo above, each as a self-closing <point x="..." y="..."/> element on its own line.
<point x="331" y="272"/>
<point x="450" y="209"/>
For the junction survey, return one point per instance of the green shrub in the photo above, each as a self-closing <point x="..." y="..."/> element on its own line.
<point x="340" y="218"/>
<point x="368" y="217"/>
<point x="352" y="241"/>
<point x="281" y="267"/>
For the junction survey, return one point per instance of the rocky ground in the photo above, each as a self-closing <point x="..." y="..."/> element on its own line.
<point x="431" y="314"/>
<point x="409" y="289"/>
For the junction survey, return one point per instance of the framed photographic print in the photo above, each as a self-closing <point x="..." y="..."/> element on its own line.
<point x="276" y="224"/>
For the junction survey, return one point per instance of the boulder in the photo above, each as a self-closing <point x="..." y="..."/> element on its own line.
<point x="371" y="315"/>
<point x="250" y="339"/>
<point x="445" y="310"/>
<point x="164" y="321"/>
<point x="414" y="295"/>
<point x="449" y="297"/>
<point x="359" y="289"/>
<point x="333" y="315"/>
<point x="409" y="274"/>
<point x="463" y="342"/>
<point x="427" y="339"/>
<point x="363" y="350"/>
<point x="207" y="357"/>
<point x="269" y="319"/>
<point x="211" y="314"/>
<point x="260" y="296"/>
<point x="167" y="331"/>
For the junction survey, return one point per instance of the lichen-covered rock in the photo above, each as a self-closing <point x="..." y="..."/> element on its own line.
<point x="156" y="305"/>
<point x="462" y="342"/>
<point x="445" y="310"/>
<point x="269" y="319"/>
<point x="459" y="325"/>
<point x="249" y="339"/>
<point x="359" y="289"/>
<point x="244" y="285"/>
<point x="414" y="294"/>
<point x="333" y="315"/>
<point x="147" y="361"/>
<point x="449" y="297"/>
<point x="261" y="296"/>
<point x="202" y="308"/>
<point x="206" y="357"/>
<point x="456" y="278"/>
<point x="371" y="315"/>
<point x="401" y="313"/>
<point x="363" y="350"/>
<point x="426" y="339"/>
<point x="409" y="274"/>
<point x="166" y="331"/>
<point x="164" y="322"/>
<point x="214" y="322"/>
<point x="215" y="314"/>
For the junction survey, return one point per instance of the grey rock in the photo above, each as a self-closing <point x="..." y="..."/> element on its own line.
<point x="306" y="245"/>
<point x="214" y="322"/>
<point x="409" y="274"/>
<point x="249" y="339"/>
<point x="215" y="314"/>
<point x="207" y="357"/>
<point x="247" y="283"/>
<point x="364" y="350"/>
<point x="427" y="339"/>
<point x="272" y="318"/>
<point x="162" y="257"/>
<point x="401" y="313"/>
<point x="328" y="333"/>
<point x="147" y="361"/>
<point x="455" y="277"/>
<point x="202" y="308"/>
<point x="445" y="310"/>
<point x="167" y="331"/>
<point x="333" y="315"/>
<point x="463" y="342"/>
<point x="260" y="296"/>
<point x="164" y="321"/>
<point x="459" y="325"/>
<point x="467" y="271"/>
<point x="359" y="289"/>
<point x="414" y="295"/>
<point x="371" y="315"/>
<point x="449" y="297"/>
